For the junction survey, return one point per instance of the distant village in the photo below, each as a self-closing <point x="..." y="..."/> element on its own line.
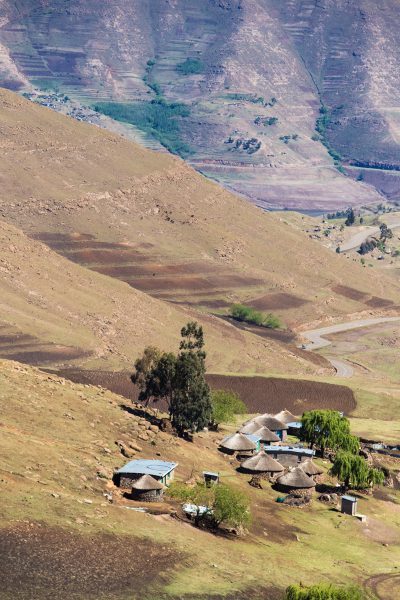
<point x="266" y="448"/>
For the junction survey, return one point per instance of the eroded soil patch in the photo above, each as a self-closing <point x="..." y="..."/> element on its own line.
<point x="53" y="564"/>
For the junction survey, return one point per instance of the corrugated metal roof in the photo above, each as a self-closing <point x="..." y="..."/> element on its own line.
<point x="294" y="424"/>
<point x="142" y="466"/>
<point x="211" y="473"/>
<point x="350" y="498"/>
<point x="289" y="450"/>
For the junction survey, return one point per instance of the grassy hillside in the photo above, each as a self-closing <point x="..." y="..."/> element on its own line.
<point x="60" y="537"/>
<point x="152" y="221"/>
<point x="57" y="313"/>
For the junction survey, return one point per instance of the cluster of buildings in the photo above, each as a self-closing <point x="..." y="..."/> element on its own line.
<point x="261" y="448"/>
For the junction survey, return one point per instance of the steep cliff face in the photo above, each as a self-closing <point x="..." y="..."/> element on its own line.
<point x="253" y="75"/>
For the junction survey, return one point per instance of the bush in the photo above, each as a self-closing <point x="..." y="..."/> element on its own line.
<point x="225" y="405"/>
<point x="323" y="591"/>
<point x="247" y="314"/>
<point x="157" y="118"/>
<point x="225" y="504"/>
<point x="191" y="66"/>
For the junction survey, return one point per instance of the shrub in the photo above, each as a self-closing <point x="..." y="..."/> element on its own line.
<point x="191" y="66"/>
<point x="157" y="118"/>
<point x="225" y="405"/>
<point x="247" y="314"/>
<point x="323" y="591"/>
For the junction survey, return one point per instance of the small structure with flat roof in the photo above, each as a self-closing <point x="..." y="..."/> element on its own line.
<point x="210" y="477"/>
<point x="349" y="505"/>
<point x="160" y="470"/>
<point x="294" y="427"/>
<point x="289" y="456"/>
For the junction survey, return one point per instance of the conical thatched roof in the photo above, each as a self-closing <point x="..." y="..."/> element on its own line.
<point x="271" y="422"/>
<point x="296" y="479"/>
<point x="310" y="468"/>
<point x="286" y="416"/>
<point x="250" y="427"/>
<point x="262" y="463"/>
<point x="237" y="441"/>
<point x="147" y="483"/>
<point x="266" y="435"/>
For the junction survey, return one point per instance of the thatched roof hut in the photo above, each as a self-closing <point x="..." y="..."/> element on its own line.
<point x="250" y="427"/>
<point x="237" y="442"/>
<point x="295" y="479"/>
<point x="310" y="468"/>
<point x="266" y="435"/>
<point x="147" y="489"/>
<point x="262" y="463"/>
<point x="286" y="417"/>
<point x="271" y="422"/>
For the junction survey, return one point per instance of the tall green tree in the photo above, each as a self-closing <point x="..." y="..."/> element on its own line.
<point x="350" y="218"/>
<point x="327" y="429"/>
<point x="354" y="471"/>
<point x="178" y="380"/>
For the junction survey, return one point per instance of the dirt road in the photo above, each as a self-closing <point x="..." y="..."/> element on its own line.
<point x="317" y="340"/>
<point x="358" y="238"/>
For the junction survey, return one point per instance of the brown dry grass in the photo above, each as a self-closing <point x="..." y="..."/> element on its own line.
<point x="55" y="312"/>
<point x="78" y="179"/>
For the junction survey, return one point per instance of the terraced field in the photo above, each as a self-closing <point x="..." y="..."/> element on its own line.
<point x="250" y="120"/>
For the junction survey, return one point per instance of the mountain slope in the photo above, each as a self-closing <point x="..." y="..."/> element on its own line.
<point x="150" y="220"/>
<point x="236" y="65"/>
<point x="60" y="537"/>
<point x="56" y="313"/>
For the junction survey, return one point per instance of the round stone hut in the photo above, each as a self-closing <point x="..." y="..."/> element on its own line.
<point x="286" y="416"/>
<point x="237" y="442"/>
<point x="295" y="481"/>
<point x="311" y="469"/>
<point x="261" y="463"/>
<point x="273" y="424"/>
<point x="266" y="435"/>
<point x="250" y="427"/>
<point x="147" y="489"/>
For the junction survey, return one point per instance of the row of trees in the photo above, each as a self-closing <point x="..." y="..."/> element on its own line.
<point x="328" y="429"/>
<point x="178" y="381"/>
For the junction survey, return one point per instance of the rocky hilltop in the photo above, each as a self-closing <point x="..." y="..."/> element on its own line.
<point x="276" y="100"/>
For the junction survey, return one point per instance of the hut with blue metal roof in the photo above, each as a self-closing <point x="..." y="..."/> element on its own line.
<point x="290" y="456"/>
<point x="160" y="470"/>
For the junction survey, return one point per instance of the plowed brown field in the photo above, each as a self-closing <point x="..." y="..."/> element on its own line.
<point x="260" y="394"/>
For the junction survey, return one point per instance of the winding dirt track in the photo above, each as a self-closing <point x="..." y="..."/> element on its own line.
<point x="316" y="340"/>
<point x="391" y="583"/>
